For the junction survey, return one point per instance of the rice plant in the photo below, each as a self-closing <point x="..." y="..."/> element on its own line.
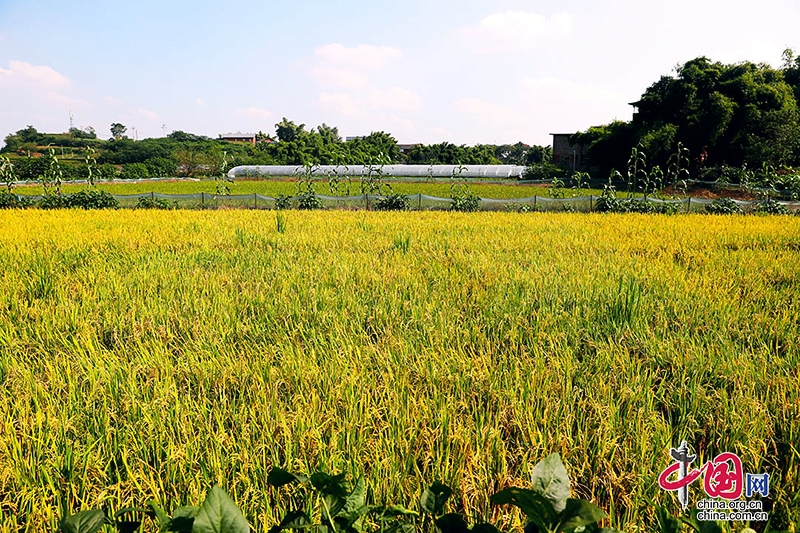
<point x="153" y="356"/>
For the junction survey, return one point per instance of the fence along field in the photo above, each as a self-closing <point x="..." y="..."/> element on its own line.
<point x="154" y="354"/>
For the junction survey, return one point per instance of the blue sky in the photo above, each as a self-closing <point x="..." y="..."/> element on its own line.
<point x="424" y="70"/>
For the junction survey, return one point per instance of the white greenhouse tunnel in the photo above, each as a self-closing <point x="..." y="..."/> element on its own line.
<point x="400" y="171"/>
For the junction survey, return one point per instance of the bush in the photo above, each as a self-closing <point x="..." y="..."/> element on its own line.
<point x="106" y="172"/>
<point x="393" y="202"/>
<point x="466" y="203"/>
<point x="283" y="202"/>
<point x="53" y="201"/>
<point x="134" y="171"/>
<point x="544" y="172"/>
<point x="725" y="174"/>
<point x="606" y="204"/>
<point x="93" y="199"/>
<point x="161" y="167"/>
<point x="145" y="202"/>
<point x="724" y="206"/>
<point x="12" y="201"/>
<point x="308" y="200"/>
<point x="73" y="173"/>
<point x="770" y="207"/>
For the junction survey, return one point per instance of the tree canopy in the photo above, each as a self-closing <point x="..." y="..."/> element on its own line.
<point x="187" y="154"/>
<point x="725" y="114"/>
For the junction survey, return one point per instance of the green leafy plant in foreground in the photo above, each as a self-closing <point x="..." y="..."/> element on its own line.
<point x="340" y="508"/>
<point x="217" y="514"/>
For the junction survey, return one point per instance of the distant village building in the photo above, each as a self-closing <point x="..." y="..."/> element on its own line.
<point x="239" y="137"/>
<point x="406" y="148"/>
<point x="574" y="157"/>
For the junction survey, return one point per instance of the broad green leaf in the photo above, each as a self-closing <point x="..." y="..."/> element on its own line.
<point x="579" y="513"/>
<point x="159" y="514"/>
<point x="399" y="527"/>
<point x="536" y="507"/>
<point x="550" y="479"/>
<point x="328" y="484"/>
<point x="451" y="523"/>
<point x="84" y="522"/>
<point x="666" y="522"/>
<point x="395" y="510"/>
<point x="348" y="525"/>
<point x="294" y="520"/>
<point x="332" y="505"/>
<point x="129" y="519"/>
<point x="279" y="477"/>
<point x="484" y="527"/>
<point x="702" y="526"/>
<point x="219" y="514"/>
<point x="434" y="497"/>
<point x="356" y="499"/>
<point x="182" y="520"/>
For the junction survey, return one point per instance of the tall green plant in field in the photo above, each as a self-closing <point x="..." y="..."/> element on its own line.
<point x="306" y="187"/>
<point x="637" y="167"/>
<point x="653" y="181"/>
<point x="580" y="180"/>
<point x="372" y="182"/>
<point x="8" y="174"/>
<point x="90" y="160"/>
<point x="52" y="176"/>
<point x="221" y="178"/>
<point x="678" y="168"/>
<point x="462" y="197"/>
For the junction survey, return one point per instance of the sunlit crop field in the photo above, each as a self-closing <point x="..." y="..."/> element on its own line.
<point x="289" y="187"/>
<point x="151" y="354"/>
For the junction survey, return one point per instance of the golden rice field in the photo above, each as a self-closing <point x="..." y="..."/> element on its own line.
<point x="289" y="187"/>
<point x="152" y="354"/>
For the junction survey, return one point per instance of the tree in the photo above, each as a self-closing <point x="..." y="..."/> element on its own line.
<point x="86" y="133"/>
<point x="737" y="114"/>
<point x="288" y="131"/>
<point x="118" y="131"/>
<point x="329" y="135"/>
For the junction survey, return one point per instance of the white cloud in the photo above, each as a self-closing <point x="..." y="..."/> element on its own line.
<point x="341" y="66"/>
<point x="199" y="102"/>
<point x="257" y="113"/>
<point x="403" y="122"/>
<point x="544" y="91"/>
<point x="20" y="72"/>
<point x="152" y="115"/>
<point x="112" y="100"/>
<point x="338" y="77"/>
<point x="485" y="110"/>
<point x="395" y="98"/>
<point x="72" y="102"/>
<point x="361" y="57"/>
<point x="509" y="31"/>
<point x="341" y="102"/>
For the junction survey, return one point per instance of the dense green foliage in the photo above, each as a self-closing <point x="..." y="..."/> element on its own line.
<point x="189" y="155"/>
<point x="326" y="503"/>
<point x="734" y="115"/>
